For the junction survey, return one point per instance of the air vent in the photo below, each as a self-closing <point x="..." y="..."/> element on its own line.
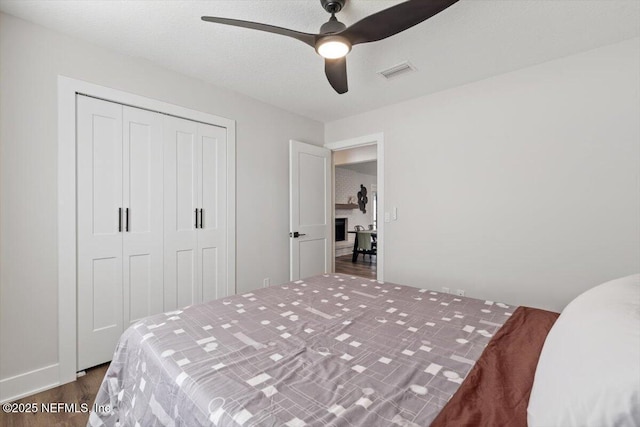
<point x="396" y="70"/>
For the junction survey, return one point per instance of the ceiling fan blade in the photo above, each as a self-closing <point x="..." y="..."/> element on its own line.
<point x="307" y="38"/>
<point x="394" y="20"/>
<point x="336" y="71"/>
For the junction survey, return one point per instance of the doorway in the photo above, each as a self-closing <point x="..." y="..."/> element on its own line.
<point x="355" y="209"/>
<point x="358" y="200"/>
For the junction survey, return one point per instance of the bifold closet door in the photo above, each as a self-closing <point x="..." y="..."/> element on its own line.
<point x="195" y="212"/>
<point x="212" y="196"/>
<point x="181" y="286"/>
<point x="143" y="204"/>
<point x="99" y="193"/>
<point x="120" y="217"/>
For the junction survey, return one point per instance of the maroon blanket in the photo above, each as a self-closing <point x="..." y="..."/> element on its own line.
<point x="496" y="391"/>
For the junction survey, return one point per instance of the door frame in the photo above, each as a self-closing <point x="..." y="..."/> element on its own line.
<point x="362" y="141"/>
<point x="68" y="88"/>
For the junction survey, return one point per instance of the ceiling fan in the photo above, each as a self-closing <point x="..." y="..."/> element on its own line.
<point x="336" y="39"/>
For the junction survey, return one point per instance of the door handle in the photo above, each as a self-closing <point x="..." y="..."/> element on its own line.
<point x="196" y="212"/>
<point x="295" y="234"/>
<point x="119" y="220"/>
<point x="201" y="218"/>
<point x="126" y="223"/>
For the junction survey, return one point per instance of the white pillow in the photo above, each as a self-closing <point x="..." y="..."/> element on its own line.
<point x="589" y="369"/>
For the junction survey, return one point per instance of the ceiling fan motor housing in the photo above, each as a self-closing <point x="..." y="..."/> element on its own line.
<point x="332" y="26"/>
<point x="332" y="6"/>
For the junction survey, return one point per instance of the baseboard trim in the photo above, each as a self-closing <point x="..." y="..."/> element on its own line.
<point x="23" y="385"/>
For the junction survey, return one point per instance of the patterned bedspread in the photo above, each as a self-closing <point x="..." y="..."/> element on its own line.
<point x="330" y="350"/>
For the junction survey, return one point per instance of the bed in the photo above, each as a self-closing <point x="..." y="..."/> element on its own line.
<point x="331" y="350"/>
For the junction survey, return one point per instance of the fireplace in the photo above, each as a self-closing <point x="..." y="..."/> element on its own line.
<point x="341" y="229"/>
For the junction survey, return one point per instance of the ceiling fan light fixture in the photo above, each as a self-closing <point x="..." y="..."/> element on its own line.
<point x="333" y="47"/>
<point x="334" y="40"/>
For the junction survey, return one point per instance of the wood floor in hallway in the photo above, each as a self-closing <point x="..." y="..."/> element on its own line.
<point x="361" y="268"/>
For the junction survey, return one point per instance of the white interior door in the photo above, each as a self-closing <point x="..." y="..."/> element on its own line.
<point x="309" y="210"/>
<point x="212" y="218"/>
<point x="181" y="286"/>
<point x="143" y="218"/>
<point x="99" y="228"/>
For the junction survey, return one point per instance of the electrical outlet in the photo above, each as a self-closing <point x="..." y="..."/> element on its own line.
<point x="460" y="292"/>
<point x="266" y="283"/>
<point x="445" y="290"/>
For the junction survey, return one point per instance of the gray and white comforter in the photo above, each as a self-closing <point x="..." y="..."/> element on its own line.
<point x="331" y="350"/>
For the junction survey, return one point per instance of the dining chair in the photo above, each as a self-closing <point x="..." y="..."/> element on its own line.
<point x="364" y="245"/>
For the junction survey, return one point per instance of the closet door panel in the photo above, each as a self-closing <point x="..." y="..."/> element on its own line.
<point x="185" y="274"/>
<point x="106" y="298"/>
<point x="211" y="280"/>
<point x="143" y="217"/>
<point x="102" y="166"/>
<point x="99" y="192"/>
<point x="141" y="294"/>
<point x="213" y="150"/>
<point x="143" y="148"/>
<point x="213" y="201"/>
<point x="180" y="183"/>
<point x="185" y="177"/>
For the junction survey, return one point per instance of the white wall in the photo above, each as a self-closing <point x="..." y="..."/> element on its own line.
<point x="31" y="58"/>
<point x="348" y="184"/>
<point x="524" y="187"/>
<point x="367" y="153"/>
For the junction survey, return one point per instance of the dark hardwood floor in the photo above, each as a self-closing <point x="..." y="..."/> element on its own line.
<point x="361" y="268"/>
<point x="81" y="391"/>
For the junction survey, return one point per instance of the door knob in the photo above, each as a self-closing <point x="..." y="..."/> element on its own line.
<point x="295" y="234"/>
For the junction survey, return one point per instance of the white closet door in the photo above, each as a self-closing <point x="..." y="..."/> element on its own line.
<point x="99" y="191"/>
<point x="181" y="286"/>
<point x="212" y="196"/>
<point x="143" y="225"/>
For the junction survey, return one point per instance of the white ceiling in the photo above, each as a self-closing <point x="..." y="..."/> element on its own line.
<point x="471" y="40"/>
